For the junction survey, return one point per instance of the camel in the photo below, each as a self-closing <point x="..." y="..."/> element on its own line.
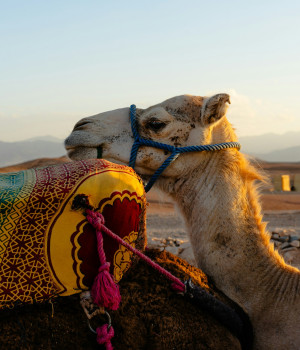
<point x="218" y="196"/>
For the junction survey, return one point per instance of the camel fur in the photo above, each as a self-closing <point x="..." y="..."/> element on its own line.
<point x="217" y="195"/>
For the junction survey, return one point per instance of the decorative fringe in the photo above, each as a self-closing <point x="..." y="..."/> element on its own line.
<point x="104" y="336"/>
<point x="105" y="291"/>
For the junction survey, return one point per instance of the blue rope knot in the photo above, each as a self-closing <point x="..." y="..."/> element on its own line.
<point x="175" y="151"/>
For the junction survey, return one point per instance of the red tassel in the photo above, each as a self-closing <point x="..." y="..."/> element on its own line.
<point x="105" y="291"/>
<point x="104" y="336"/>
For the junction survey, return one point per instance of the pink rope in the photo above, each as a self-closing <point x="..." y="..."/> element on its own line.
<point x="97" y="220"/>
<point x="105" y="291"/>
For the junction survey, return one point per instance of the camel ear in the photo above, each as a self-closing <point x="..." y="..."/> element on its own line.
<point x="214" y="108"/>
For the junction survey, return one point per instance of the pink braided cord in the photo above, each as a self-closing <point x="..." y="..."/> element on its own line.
<point x="97" y="220"/>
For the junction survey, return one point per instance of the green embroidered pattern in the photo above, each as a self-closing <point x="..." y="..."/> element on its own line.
<point x="14" y="194"/>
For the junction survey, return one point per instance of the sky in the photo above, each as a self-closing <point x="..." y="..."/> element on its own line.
<point x="65" y="60"/>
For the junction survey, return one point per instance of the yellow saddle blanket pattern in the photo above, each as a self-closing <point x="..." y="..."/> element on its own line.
<point x="48" y="249"/>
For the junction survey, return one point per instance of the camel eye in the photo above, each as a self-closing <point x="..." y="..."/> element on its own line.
<point x="155" y="125"/>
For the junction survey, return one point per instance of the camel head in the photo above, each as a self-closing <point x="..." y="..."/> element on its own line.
<point x="179" y="121"/>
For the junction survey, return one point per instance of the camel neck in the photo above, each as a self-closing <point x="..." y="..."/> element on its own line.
<point x="223" y="219"/>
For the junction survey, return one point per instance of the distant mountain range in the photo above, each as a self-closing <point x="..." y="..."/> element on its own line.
<point x="291" y="154"/>
<point x="22" y="151"/>
<point x="273" y="147"/>
<point x="269" y="147"/>
<point x="269" y="142"/>
<point x="48" y="138"/>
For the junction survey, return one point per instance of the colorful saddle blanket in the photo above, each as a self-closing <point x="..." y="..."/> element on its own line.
<point x="48" y="249"/>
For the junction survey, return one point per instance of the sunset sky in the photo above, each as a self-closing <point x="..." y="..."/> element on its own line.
<point x="64" y="60"/>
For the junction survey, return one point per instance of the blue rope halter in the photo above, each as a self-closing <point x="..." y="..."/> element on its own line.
<point x="175" y="151"/>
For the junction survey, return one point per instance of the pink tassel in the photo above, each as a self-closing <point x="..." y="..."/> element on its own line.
<point x="104" y="336"/>
<point x="105" y="291"/>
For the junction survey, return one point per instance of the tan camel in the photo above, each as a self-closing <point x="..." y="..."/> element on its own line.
<point x="217" y="195"/>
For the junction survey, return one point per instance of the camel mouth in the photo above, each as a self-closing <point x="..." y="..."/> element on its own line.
<point x="71" y="152"/>
<point x="78" y="152"/>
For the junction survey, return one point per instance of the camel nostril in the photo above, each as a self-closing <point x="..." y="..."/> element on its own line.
<point x="81" y="124"/>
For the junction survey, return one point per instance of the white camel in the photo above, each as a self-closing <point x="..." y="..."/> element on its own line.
<point x="217" y="196"/>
